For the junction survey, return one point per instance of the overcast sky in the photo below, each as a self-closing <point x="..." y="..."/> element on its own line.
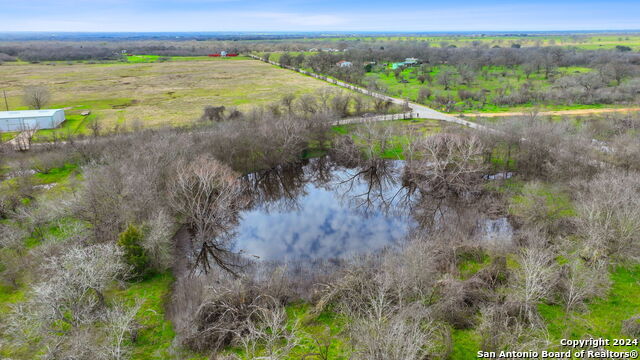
<point x="317" y="15"/>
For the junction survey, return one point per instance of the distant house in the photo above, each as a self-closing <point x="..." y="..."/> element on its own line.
<point x="222" y="53"/>
<point x="31" y="119"/>
<point x="406" y="62"/>
<point x="343" y="63"/>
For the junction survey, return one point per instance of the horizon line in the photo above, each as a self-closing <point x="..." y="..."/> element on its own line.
<point x="308" y="31"/>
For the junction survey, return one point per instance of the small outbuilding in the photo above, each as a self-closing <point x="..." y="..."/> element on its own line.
<point x="31" y="119"/>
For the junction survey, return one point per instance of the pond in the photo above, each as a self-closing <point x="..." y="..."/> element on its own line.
<point x="322" y="210"/>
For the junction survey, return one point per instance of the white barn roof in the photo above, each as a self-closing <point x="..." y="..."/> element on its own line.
<point x="27" y="113"/>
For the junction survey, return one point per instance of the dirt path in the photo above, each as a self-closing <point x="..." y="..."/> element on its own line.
<point x="558" y="112"/>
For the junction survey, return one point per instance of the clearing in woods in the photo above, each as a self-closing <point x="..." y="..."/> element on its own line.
<point x="163" y="93"/>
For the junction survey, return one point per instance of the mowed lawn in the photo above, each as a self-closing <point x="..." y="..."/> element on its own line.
<point x="154" y="94"/>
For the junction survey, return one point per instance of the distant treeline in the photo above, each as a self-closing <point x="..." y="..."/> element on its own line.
<point x="35" y="51"/>
<point x="358" y="50"/>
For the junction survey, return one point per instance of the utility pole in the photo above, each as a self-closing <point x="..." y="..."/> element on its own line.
<point x="5" y="99"/>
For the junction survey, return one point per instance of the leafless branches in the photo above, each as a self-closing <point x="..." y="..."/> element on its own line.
<point x="608" y="216"/>
<point x="157" y="241"/>
<point x="208" y="195"/>
<point x="36" y="97"/>
<point x="267" y="334"/>
<point x="580" y="282"/>
<point x="447" y="163"/>
<point x="120" y="324"/>
<point x="70" y="297"/>
<point x="533" y="280"/>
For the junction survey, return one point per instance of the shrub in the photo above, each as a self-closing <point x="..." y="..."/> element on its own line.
<point x="134" y="254"/>
<point x="631" y="326"/>
<point x="424" y="94"/>
<point x="157" y="242"/>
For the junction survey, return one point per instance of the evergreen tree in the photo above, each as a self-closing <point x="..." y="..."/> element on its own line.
<point x="134" y="254"/>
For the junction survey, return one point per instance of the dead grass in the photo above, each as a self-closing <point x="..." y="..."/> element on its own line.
<point x="155" y="93"/>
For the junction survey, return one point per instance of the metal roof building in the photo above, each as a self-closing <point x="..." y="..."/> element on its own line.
<point x="30" y="119"/>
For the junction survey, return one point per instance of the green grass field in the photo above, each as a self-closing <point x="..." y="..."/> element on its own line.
<point x="603" y="317"/>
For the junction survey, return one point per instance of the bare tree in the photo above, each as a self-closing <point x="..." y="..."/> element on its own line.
<point x="533" y="280"/>
<point x="381" y="105"/>
<point x="288" y="101"/>
<point x="68" y="298"/>
<point x="100" y="201"/>
<point x="501" y="329"/>
<point x="358" y="104"/>
<point x="447" y="78"/>
<point x="341" y="103"/>
<point x="617" y="69"/>
<point x="580" y="282"/>
<point x="308" y="104"/>
<point x="445" y="163"/>
<point x="36" y="97"/>
<point x="388" y="334"/>
<point x="423" y="94"/>
<point x="157" y="241"/>
<point x="267" y="334"/>
<point x="608" y="216"/>
<point x="209" y="195"/>
<point x="120" y="324"/>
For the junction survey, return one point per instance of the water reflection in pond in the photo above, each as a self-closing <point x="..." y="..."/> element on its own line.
<point x="496" y="231"/>
<point x="322" y="210"/>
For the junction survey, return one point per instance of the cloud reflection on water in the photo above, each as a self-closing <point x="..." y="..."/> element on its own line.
<point x="324" y="224"/>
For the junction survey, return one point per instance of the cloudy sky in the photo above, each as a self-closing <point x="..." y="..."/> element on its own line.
<point x="316" y="15"/>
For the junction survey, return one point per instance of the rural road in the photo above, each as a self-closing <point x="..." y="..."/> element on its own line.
<point x="419" y="111"/>
<point x="422" y="111"/>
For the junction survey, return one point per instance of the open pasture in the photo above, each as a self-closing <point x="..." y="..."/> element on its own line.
<point x="152" y="94"/>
